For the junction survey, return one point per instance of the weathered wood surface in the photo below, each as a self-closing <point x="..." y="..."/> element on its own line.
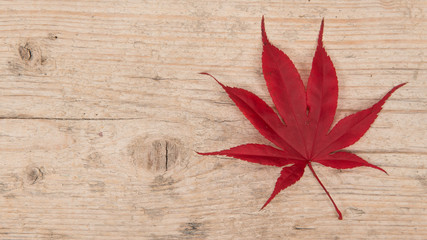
<point x="102" y="110"/>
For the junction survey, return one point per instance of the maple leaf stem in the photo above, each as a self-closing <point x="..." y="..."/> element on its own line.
<point x="321" y="184"/>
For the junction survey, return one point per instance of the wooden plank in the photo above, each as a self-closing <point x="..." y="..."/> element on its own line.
<point x="102" y="110"/>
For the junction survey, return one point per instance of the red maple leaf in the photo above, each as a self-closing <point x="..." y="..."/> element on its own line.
<point x="302" y="129"/>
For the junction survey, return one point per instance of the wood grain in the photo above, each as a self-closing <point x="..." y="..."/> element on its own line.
<point x="102" y="110"/>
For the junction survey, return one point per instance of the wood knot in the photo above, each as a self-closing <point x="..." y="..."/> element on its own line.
<point x="30" y="59"/>
<point x="35" y="174"/>
<point x="354" y="212"/>
<point x="193" y="230"/>
<point x="157" y="155"/>
<point x="52" y="36"/>
<point x="25" y="52"/>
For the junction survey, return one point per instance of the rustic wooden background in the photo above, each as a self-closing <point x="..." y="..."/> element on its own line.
<point x="102" y="110"/>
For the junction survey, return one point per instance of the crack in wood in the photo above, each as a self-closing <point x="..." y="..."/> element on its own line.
<point x="303" y="228"/>
<point x="157" y="155"/>
<point x="166" y="155"/>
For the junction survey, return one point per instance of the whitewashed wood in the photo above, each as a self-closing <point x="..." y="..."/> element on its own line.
<point x="110" y="94"/>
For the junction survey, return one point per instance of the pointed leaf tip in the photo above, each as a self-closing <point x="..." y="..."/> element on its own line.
<point x="351" y="128"/>
<point x="200" y="153"/>
<point x="208" y="74"/>
<point x="320" y="39"/>
<point x="257" y="153"/>
<point x="264" y="35"/>
<point x="345" y="160"/>
<point x="288" y="176"/>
